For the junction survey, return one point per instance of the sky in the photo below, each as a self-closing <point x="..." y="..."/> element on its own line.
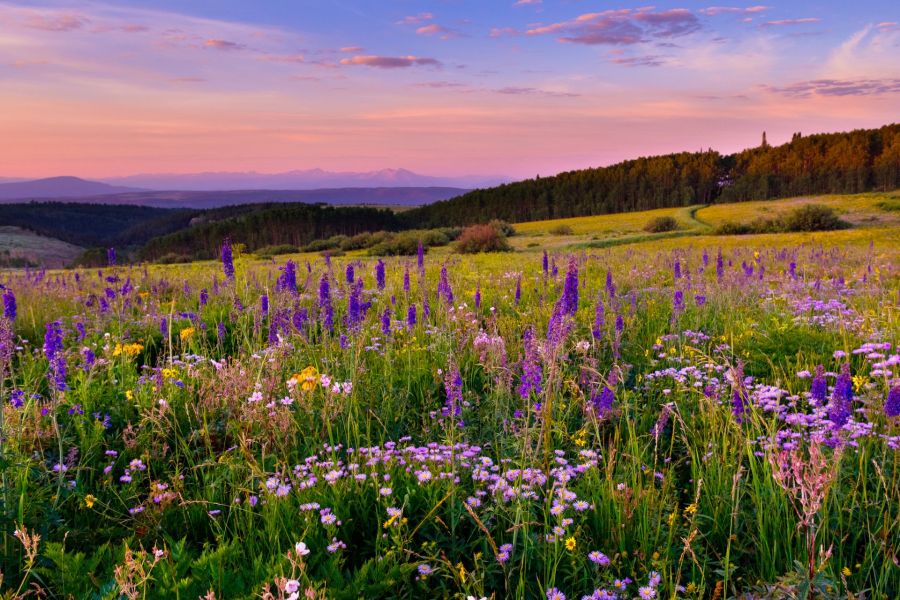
<point x="509" y="88"/>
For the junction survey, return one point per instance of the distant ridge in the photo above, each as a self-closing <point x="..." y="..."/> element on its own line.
<point x="58" y="187"/>
<point x="298" y="180"/>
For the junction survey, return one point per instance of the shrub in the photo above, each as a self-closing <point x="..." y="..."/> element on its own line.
<point x="331" y="243"/>
<point x="270" y="251"/>
<point x="732" y="228"/>
<point x="482" y="238"/>
<point x="661" y="225"/>
<point x="503" y="227"/>
<point x="812" y="217"/>
<point x="562" y="230"/>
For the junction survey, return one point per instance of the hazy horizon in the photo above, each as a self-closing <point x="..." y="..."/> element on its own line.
<point x="503" y="89"/>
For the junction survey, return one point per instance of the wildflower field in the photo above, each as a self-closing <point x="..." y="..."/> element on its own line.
<point x="701" y="418"/>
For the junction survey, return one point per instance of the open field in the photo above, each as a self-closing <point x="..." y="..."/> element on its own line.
<point x="687" y="417"/>
<point x="36" y="249"/>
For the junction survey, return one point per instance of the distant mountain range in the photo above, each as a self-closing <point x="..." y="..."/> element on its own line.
<point x="210" y="190"/>
<point x="58" y="187"/>
<point x="298" y="180"/>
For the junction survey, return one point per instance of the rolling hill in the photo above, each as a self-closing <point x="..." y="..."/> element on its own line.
<point x="58" y="187"/>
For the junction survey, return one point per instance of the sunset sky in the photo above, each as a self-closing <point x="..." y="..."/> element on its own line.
<point x="441" y="87"/>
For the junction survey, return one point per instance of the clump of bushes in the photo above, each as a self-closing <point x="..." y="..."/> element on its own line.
<point x="809" y="217"/>
<point x="562" y="230"/>
<point x="661" y="225"/>
<point x="270" y="251"/>
<point x="482" y="238"/>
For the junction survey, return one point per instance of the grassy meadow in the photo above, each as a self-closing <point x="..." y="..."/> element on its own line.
<point x="604" y="413"/>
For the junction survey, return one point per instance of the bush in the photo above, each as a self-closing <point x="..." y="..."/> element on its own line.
<point x="503" y="227"/>
<point x="482" y="238"/>
<point x="812" y="217"/>
<point x="331" y="243"/>
<point x="562" y="230"/>
<point x="270" y="251"/>
<point x="661" y="225"/>
<point x="732" y="228"/>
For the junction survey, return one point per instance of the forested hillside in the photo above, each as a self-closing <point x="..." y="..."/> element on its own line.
<point x="841" y="163"/>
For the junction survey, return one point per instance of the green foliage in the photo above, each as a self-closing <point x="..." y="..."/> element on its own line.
<point x="661" y="225"/>
<point x="561" y="229"/>
<point x="272" y="251"/>
<point x="809" y="217"/>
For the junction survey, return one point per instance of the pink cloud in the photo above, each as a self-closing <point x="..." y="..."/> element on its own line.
<point x="650" y="60"/>
<point x="416" y="19"/>
<point x="223" y="45"/>
<point x="497" y="32"/>
<point x="839" y="87"/>
<point x="389" y="62"/>
<point x="57" y="22"/>
<point x="284" y="58"/>
<point x="352" y="49"/>
<point x="788" y="22"/>
<point x="435" y="29"/>
<point x="622" y="27"/>
<point x="712" y="11"/>
<point x="527" y="2"/>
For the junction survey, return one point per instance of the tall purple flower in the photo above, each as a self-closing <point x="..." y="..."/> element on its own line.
<point x="287" y="281"/>
<point x="406" y="281"/>
<point x="220" y="331"/>
<point x="354" y="307"/>
<point x="570" y="290"/>
<point x="453" y="388"/>
<point x="599" y="318"/>
<point x="204" y="297"/>
<point x="518" y="289"/>
<point x="379" y="274"/>
<point x="892" y="404"/>
<point x="601" y="402"/>
<point x="610" y="286"/>
<point x="325" y="303"/>
<point x="227" y="260"/>
<point x="420" y="256"/>
<point x="444" y="289"/>
<point x="9" y="304"/>
<point x="386" y="322"/>
<point x="720" y="265"/>
<point x="739" y="393"/>
<point x="264" y="305"/>
<point x="531" y="367"/>
<point x="545" y="264"/>
<point x="677" y="269"/>
<point x="349" y="273"/>
<point x="478" y="296"/>
<point x="819" y="388"/>
<point x="840" y="408"/>
<point x="411" y="315"/>
<point x="164" y="327"/>
<point x="53" y="350"/>
<point x="678" y="301"/>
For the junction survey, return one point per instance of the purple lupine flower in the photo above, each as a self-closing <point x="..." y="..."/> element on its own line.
<point x="892" y="404"/>
<point x="227" y="260"/>
<point x="620" y="323"/>
<point x="420" y="256"/>
<point x="444" y="289"/>
<point x="53" y="350"/>
<point x="349" y="273"/>
<point x="325" y="303"/>
<point x="676" y="269"/>
<point x="818" y="390"/>
<point x="220" y="331"/>
<point x="599" y="318"/>
<point x="792" y="270"/>
<point x="545" y="264"/>
<point x="602" y="403"/>
<point x="699" y="299"/>
<point x="354" y="308"/>
<point x="554" y="271"/>
<point x="720" y="265"/>
<point x="678" y="301"/>
<point x="264" y="305"/>
<point x="82" y="333"/>
<point x="7" y="346"/>
<point x="17" y="398"/>
<point x="164" y="327"/>
<point x="610" y="286"/>
<point x="705" y="258"/>
<point x="518" y="289"/>
<point x="426" y="308"/>
<point x="204" y="297"/>
<point x="287" y="281"/>
<point x="89" y="358"/>
<point x="299" y="319"/>
<point x="739" y="394"/>
<point x="406" y="280"/>
<point x="531" y="366"/>
<point x="840" y="407"/>
<point x="478" y="296"/>
<point x="379" y="274"/>
<point x="411" y="315"/>
<point x="570" y="290"/>
<point x="386" y="322"/>
<point x="9" y="304"/>
<point x="453" y="388"/>
<point x="111" y="257"/>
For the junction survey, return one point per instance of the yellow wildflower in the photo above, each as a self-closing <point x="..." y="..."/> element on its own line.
<point x="570" y="544"/>
<point x="846" y="572"/>
<point x="89" y="500"/>
<point x="307" y="379"/>
<point x="186" y="333"/>
<point x="129" y="394"/>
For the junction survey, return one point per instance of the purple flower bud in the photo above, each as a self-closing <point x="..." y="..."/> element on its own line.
<point x="227" y="260"/>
